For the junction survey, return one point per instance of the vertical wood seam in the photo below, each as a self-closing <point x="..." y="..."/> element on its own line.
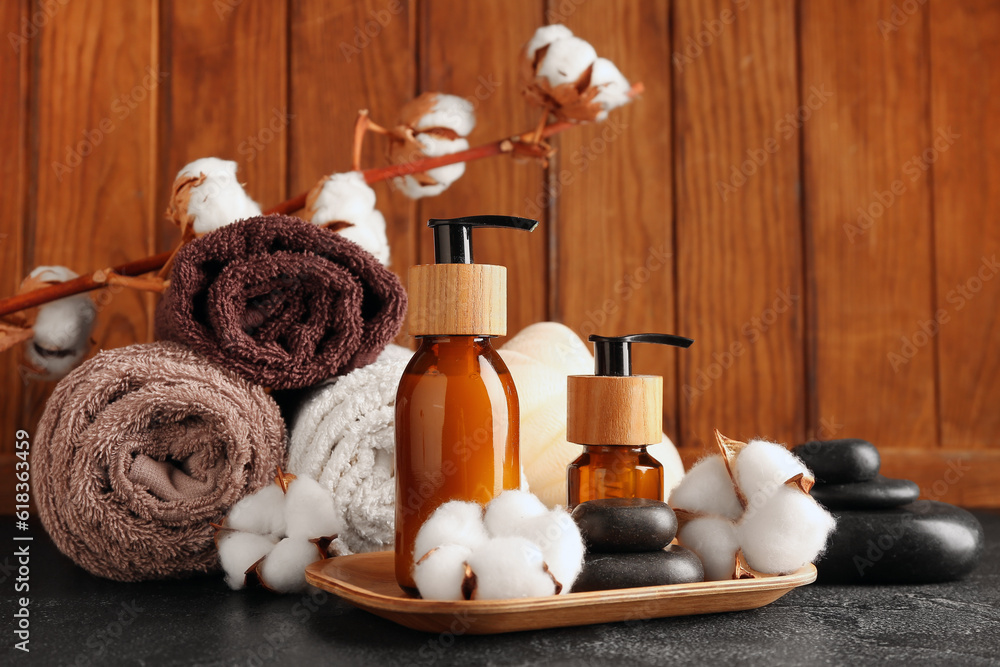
<point x="286" y="190"/>
<point x="153" y="159"/>
<point x="31" y="79"/>
<point x="810" y="397"/>
<point x="927" y="25"/>
<point x="674" y="227"/>
<point x="551" y="194"/>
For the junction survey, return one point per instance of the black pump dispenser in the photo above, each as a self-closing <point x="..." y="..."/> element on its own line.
<point x="453" y="237"/>
<point x="613" y="354"/>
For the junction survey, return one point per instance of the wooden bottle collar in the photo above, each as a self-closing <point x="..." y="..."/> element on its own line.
<point x="458" y="300"/>
<point x="603" y="410"/>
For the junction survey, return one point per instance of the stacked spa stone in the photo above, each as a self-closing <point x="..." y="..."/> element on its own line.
<point x="628" y="546"/>
<point x="884" y="534"/>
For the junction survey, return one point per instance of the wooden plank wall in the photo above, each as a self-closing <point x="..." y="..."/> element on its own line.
<point x="807" y="188"/>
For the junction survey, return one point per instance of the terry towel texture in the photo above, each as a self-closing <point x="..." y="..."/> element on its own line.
<point x="282" y="302"/>
<point x="343" y="436"/>
<point x="139" y="449"/>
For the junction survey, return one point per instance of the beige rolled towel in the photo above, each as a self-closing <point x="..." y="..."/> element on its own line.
<point x="139" y="449"/>
<point x="540" y="358"/>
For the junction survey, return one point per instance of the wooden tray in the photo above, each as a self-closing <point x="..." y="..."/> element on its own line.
<point x="368" y="582"/>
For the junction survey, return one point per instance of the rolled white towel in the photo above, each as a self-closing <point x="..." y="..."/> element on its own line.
<point x="343" y="436"/>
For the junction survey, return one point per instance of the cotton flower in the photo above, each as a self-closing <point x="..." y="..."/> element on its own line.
<point x="518" y="548"/>
<point x="56" y="334"/>
<point x="563" y="73"/>
<point x="275" y="533"/>
<point x="345" y="203"/>
<point x="749" y="509"/>
<point x="432" y="125"/>
<point x="206" y="195"/>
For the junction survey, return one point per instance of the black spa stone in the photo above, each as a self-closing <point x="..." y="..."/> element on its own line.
<point x="625" y="524"/>
<point x="923" y="542"/>
<point x="879" y="493"/>
<point x="605" y="571"/>
<point x="840" y="461"/>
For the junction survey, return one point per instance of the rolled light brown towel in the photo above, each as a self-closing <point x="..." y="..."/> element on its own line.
<point x="282" y="302"/>
<point x="139" y="449"/>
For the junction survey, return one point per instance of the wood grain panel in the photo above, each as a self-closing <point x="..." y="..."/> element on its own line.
<point x="98" y="76"/>
<point x="868" y="213"/>
<point x="484" y="69"/>
<point x="613" y="185"/>
<point x="226" y="95"/>
<point x="13" y="183"/>
<point x="965" y="53"/>
<point x="739" y="279"/>
<point x="348" y="56"/>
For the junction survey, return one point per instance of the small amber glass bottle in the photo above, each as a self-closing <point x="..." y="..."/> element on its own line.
<point x="615" y="415"/>
<point x="614" y="471"/>
<point x="456" y="407"/>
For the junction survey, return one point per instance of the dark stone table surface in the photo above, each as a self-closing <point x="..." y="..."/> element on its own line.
<point x="77" y="619"/>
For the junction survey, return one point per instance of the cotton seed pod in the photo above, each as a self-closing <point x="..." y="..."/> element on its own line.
<point x="56" y="334"/>
<point x="283" y="570"/>
<point x="206" y="195"/>
<point x="439" y="574"/>
<point x="774" y="527"/>
<point x="238" y="552"/>
<point x="454" y="522"/>
<point x="431" y="125"/>
<point x="508" y="567"/>
<point x="562" y="73"/>
<point x="345" y="204"/>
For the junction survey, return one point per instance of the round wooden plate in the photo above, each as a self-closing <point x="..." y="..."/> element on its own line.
<point x="367" y="581"/>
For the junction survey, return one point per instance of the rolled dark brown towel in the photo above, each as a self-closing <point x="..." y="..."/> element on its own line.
<point x="139" y="449"/>
<point x="282" y="302"/>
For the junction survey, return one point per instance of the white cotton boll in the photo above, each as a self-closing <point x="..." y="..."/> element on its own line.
<point x="454" y="522"/>
<point x="559" y="538"/>
<point x="708" y="489"/>
<point x="713" y="539"/>
<point x="370" y="235"/>
<point x="762" y="466"/>
<point x="61" y="333"/>
<point x="309" y="510"/>
<point x="566" y="60"/>
<point x="432" y="146"/>
<point x="344" y="198"/>
<point x="543" y="36"/>
<point x="613" y="87"/>
<point x="238" y="551"/>
<point x="786" y="532"/>
<point x="220" y="200"/>
<point x="449" y="111"/>
<point x="508" y="511"/>
<point x="440" y="575"/>
<point x="510" y="567"/>
<point x="262" y="513"/>
<point x="284" y="569"/>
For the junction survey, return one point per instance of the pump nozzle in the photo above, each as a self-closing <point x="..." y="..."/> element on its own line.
<point x="453" y="237"/>
<point x="613" y="354"/>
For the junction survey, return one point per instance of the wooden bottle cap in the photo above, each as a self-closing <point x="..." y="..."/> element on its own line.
<point x="458" y="300"/>
<point x="603" y="410"/>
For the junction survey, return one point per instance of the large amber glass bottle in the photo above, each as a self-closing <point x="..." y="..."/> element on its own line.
<point x="456" y="407"/>
<point x="457" y="434"/>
